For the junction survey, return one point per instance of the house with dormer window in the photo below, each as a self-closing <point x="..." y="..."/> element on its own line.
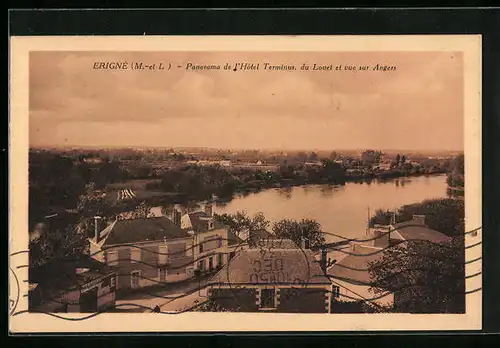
<point x="161" y="250"/>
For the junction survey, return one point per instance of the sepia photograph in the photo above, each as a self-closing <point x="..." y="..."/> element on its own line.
<point x="252" y="181"/>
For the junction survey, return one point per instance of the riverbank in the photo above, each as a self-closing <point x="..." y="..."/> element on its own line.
<point x="244" y="188"/>
<point x="341" y="210"/>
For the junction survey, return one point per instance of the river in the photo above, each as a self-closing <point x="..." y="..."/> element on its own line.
<point x="342" y="210"/>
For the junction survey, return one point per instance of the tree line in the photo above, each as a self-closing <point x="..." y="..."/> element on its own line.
<point x="194" y="182"/>
<point x="299" y="231"/>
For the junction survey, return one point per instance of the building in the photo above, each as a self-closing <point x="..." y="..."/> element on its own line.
<point x="210" y="239"/>
<point x="268" y="279"/>
<point x="152" y="251"/>
<point x="145" y="251"/>
<point x="396" y="233"/>
<point x="384" y="166"/>
<point x="77" y="285"/>
<point x="314" y="164"/>
<point x="350" y="275"/>
<point x="351" y="278"/>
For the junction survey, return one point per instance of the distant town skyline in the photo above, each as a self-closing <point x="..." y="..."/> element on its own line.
<point x="418" y="107"/>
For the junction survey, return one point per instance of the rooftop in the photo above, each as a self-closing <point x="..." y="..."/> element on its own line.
<point x="69" y="273"/>
<point x="233" y="239"/>
<point x="354" y="268"/>
<point x="200" y="221"/>
<point x="271" y="266"/>
<point x="141" y="230"/>
<point x="413" y="229"/>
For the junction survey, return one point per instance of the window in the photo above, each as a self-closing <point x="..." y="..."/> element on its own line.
<point x="219" y="260"/>
<point x="335" y="291"/>
<point x="113" y="281"/>
<point x="135" y="255"/>
<point x="189" y="250"/>
<point x="163" y="254"/>
<point x="267" y="299"/>
<point x="111" y="257"/>
<point x="220" y="243"/>
<point x="135" y="279"/>
<point x="163" y="274"/>
<point x="201" y="265"/>
<point x="210" y="263"/>
<point x="200" y="247"/>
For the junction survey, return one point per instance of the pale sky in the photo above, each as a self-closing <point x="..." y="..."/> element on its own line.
<point x="419" y="106"/>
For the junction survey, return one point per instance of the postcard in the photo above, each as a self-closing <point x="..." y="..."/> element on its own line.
<point x="271" y="183"/>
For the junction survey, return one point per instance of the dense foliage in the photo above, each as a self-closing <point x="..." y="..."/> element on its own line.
<point x="241" y="221"/>
<point x="213" y="306"/>
<point x="444" y="215"/>
<point x="425" y="277"/>
<point x="299" y="231"/>
<point x="455" y="178"/>
<point x="57" y="243"/>
<point x="201" y="182"/>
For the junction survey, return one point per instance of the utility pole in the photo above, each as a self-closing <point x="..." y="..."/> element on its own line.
<point x="368" y="222"/>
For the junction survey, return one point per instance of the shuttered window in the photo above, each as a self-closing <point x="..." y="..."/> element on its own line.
<point x="163" y="254"/>
<point x="135" y="254"/>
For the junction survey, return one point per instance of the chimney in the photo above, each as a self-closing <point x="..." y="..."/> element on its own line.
<point x="419" y="219"/>
<point x="305" y="243"/>
<point x="323" y="259"/>
<point x="177" y="218"/>
<point x="209" y="209"/>
<point x="97" y="228"/>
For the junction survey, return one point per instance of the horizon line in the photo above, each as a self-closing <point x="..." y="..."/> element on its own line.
<point x="116" y="147"/>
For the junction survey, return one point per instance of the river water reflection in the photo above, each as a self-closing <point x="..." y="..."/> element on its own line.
<point x="342" y="210"/>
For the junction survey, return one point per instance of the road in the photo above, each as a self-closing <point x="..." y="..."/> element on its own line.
<point x="185" y="302"/>
<point x="168" y="300"/>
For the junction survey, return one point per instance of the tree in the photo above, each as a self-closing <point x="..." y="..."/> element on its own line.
<point x="456" y="176"/>
<point x="301" y="156"/>
<point x="333" y="155"/>
<point x="458" y="164"/>
<point x="370" y="157"/>
<point x="212" y="306"/>
<point x="443" y="215"/>
<point x="425" y="277"/>
<point x="54" y="183"/>
<point x="381" y="217"/>
<point x="167" y="210"/>
<point x="57" y="243"/>
<point x="332" y="171"/>
<point x="142" y="211"/>
<point x="90" y="204"/>
<point x="241" y="221"/>
<point x="398" y="160"/>
<point x="313" y="156"/>
<point x="298" y="231"/>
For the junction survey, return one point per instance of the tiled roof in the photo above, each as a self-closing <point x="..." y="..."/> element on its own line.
<point x="290" y="266"/>
<point x="62" y="274"/>
<point x="257" y="235"/>
<point x="141" y="230"/>
<point x="354" y="268"/>
<point x="417" y="230"/>
<point x="233" y="239"/>
<point x="274" y="242"/>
